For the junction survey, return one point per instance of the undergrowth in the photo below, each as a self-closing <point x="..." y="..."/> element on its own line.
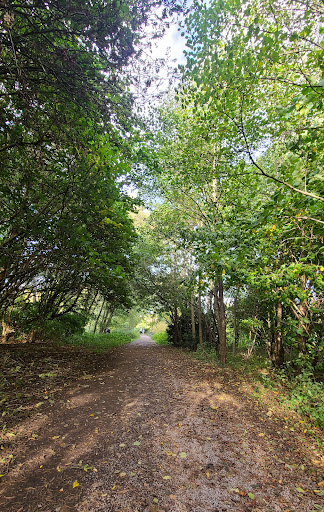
<point x="302" y="393"/>
<point x="161" y="338"/>
<point x="100" y="342"/>
<point x="295" y="389"/>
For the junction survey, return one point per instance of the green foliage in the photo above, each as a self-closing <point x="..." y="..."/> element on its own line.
<point x="299" y="392"/>
<point x="61" y="328"/>
<point x="26" y="321"/>
<point x="239" y="170"/>
<point x="100" y="342"/>
<point x="208" y="355"/>
<point x="161" y="338"/>
<point x="294" y="386"/>
<point x="306" y="396"/>
<point x="67" y="143"/>
<point x="241" y="362"/>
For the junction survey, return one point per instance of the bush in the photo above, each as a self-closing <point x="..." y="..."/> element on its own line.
<point x="305" y="395"/>
<point x="208" y="354"/>
<point x="161" y="338"/>
<point x="62" y="327"/>
<point x="26" y="321"/>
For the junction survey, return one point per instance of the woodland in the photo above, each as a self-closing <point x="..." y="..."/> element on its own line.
<point x="202" y="204"/>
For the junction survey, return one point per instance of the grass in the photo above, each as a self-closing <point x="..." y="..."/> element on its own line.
<point x="302" y="394"/>
<point x="296" y="391"/>
<point x="161" y="338"/>
<point x="100" y="342"/>
<point x="279" y="389"/>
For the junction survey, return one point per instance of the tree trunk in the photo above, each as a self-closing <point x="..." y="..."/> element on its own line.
<point x="111" y="313"/>
<point x="98" y="317"/>
<point x="251" y="345"/>
<point x="104" y="321"/>
<point x="193" y="320"/>
<point x="176" y="335"/>
<point x="201" y="341"/>
<point x="90" y="304"/>
<point x="235" y="323"/>
<point x="302" y="327"/>
<point x="7" y="329"/>
<point x="278" y="351"/>
<point x="219" y="308"/>
<point x="270" y="338"/>
<point x="107" y="318"/>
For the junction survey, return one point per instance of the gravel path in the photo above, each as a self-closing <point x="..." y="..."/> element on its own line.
<point x="156" y="431"/>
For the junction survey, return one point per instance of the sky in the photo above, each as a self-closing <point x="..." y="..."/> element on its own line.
<point x="169" y="48"/>
<point x="172" y="39"/>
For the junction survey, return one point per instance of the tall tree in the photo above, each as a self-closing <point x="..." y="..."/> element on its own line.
<point x="65" y="143"/>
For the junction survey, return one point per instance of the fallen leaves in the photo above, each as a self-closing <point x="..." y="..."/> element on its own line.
<point x="240" y="492"/>
<point x="75" y="484"/>
<point x="170" y="459"/>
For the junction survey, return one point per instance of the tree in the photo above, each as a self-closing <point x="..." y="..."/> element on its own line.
<point x="241" y="230"/>
<point x="65" y="143"/>
<point x="258" y="66"/>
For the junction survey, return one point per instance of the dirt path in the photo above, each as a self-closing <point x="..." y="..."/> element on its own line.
<point x="156" y="431"/>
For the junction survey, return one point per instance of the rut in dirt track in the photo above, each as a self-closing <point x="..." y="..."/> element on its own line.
<point x="156" y="431"/>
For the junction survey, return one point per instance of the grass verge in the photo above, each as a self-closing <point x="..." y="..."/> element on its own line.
<point x="100" y="342"/>
<point x="282" y="392"/>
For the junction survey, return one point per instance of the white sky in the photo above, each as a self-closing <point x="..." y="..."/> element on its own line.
<point x="173" y="40"/>
<point x="170" y="49"/>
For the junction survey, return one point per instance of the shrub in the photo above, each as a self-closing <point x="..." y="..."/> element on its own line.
<point x="306" y="396"/>
<point x="62" y="327"/>
<point x="161" y="338"/>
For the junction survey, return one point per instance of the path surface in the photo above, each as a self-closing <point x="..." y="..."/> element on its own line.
<point x="143" y="341"/>
<point x="156" y="431"/>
